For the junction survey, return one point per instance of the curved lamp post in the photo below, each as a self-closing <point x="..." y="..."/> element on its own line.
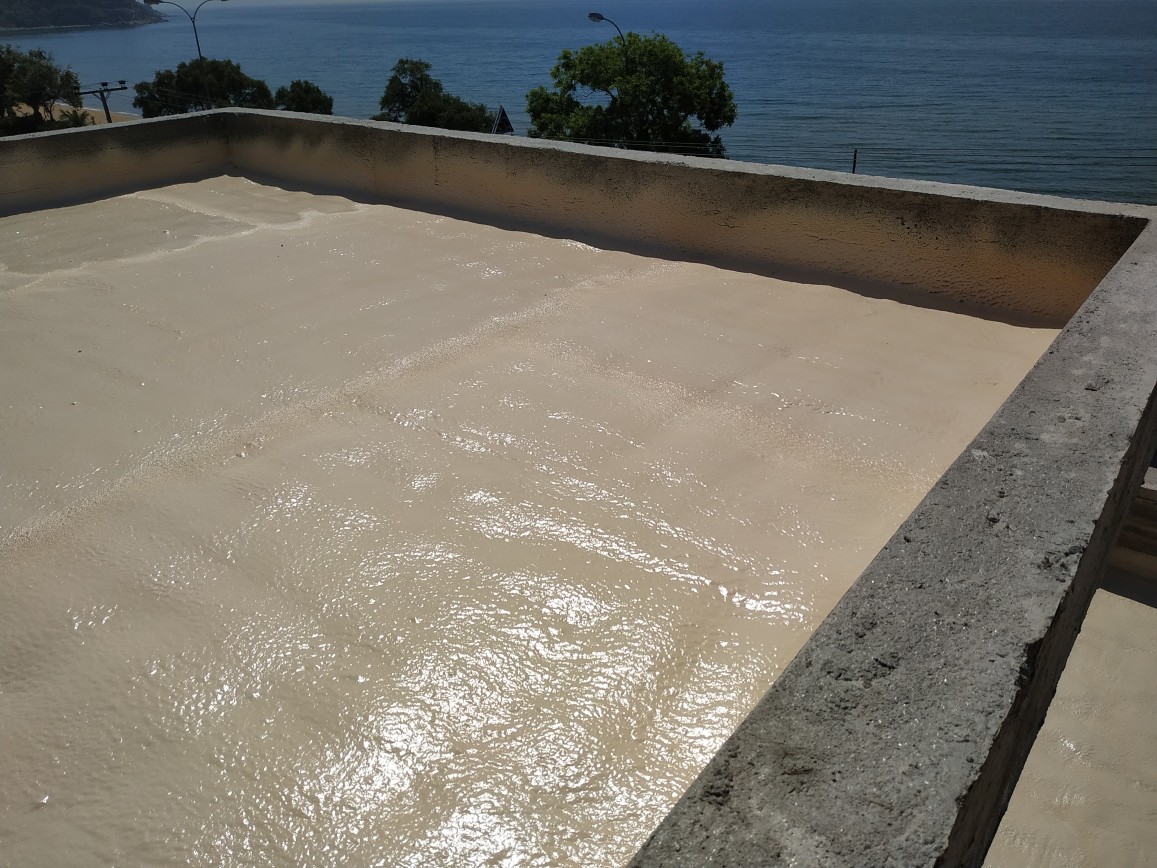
<point x="192" y="18"/>
<point x="597" y="17"/>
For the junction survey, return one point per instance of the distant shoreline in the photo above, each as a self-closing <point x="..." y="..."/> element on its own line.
<point x="95" y="113"/>
<point x="58" y="28"/>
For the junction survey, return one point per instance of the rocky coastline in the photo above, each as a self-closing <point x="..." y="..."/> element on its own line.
<point x="24" y="16"/>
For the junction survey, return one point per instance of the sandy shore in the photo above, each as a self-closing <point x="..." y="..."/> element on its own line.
<point x="98" y="116"/>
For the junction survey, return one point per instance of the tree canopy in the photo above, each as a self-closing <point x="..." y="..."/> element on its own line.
<point x="303" y="96"/>
<point x="413" y="96"/>
<point x="198" y="85"/>
<point x="32" y="88"/>
<point x="640" y="92"/>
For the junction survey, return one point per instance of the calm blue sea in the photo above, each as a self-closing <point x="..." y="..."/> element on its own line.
<point x="1052" y="96"/>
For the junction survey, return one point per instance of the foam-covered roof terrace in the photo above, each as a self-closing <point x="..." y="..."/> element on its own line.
<point x="897" y="734"/>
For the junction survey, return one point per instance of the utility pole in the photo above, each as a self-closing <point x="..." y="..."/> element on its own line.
<point x="103" y="91"/>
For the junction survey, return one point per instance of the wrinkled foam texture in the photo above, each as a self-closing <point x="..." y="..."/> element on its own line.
<point x="339" y="533"/>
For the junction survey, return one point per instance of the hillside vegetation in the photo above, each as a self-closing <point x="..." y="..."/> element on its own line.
<point x="33" y="14"/>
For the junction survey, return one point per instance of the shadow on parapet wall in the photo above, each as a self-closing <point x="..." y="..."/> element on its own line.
<point x="1024" y="260"/>
<point x="49" y="170"/>
<point x="896" y="736"/>
<point x="1015" y="257"/>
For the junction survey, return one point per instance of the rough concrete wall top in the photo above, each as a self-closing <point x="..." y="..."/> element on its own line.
<point x="896" y="736"/>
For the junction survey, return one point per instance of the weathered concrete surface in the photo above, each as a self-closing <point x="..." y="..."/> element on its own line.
<point x="896" y="736"/>
<point x="1029" y="257"/>
<point x="45" y="170"/>
<point x="1025" y="258"/>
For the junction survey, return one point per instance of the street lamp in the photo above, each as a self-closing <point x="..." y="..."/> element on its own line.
<point x="597" y="17"/>
<point x="192" y="18"/>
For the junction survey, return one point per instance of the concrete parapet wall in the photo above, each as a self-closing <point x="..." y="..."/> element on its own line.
<point x="896" y="735"/>
<point x="1020" y="256"/>
<point x="1017" y="256"/>
<point x="46" y="170"/>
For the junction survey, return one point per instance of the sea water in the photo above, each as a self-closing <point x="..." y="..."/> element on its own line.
<point x="1050" y="96"/>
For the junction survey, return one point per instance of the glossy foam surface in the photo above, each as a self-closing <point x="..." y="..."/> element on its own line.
<point x="342" y="533"/>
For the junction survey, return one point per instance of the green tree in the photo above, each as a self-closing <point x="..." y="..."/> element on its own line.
<point x="198" y="85"/>
<point x="10" y="105"/>
<point x="33" y="89"/>
<point x="413" y="96"/>
<point x="303" y="96"/>
<point x="642" y="92"/>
